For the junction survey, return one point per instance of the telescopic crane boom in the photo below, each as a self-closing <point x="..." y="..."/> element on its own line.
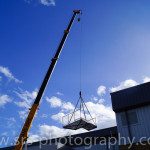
<point x="24" y="132"/>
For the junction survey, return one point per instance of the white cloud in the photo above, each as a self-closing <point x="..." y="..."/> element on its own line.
<point x="101" y="90"/>
<point x="26" y="98"/>
<point x="44" y="115"/>
<point x="11" y="119"/>
<point x="23" y="114"/>
<point x="5" y="71"/>
<point x="59" y="93"/>
<point x="94" y="98"/>
<point x="58" y="117"/>
<point x="22" y="104"/>
<point x="101" y="101"/>
<point x="43" y="2"/>
<point x="67" y="106"/>
<point x="54" y="101"/>
<point x="4" y="99"/>
<point x="123" y="85"/>
<point x="10" y="122"/>
<point x="48" y="2"/>
<point x="33" y="138"/>
<point x="146" y="79"/>
<point x="104" y="115"/>
<point x="97" y="100"/>
<point x="57" y="102"/>
<point x="4" y="134"/>
<point x="50" y="132"/>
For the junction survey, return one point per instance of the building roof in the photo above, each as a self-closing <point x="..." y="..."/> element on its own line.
<point x="97" y="134"/>
<point x="108" y="132"/>
<point x="131" y="98"/>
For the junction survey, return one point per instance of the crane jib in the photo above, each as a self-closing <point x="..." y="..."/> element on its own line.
<point x="24" y="132"/>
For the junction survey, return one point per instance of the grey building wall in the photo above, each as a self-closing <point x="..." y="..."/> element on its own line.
<point x="43" y="147"/>
<point x="99" y="147"/>
<point x="138" y="130"/>
<point x="92" y="147"/>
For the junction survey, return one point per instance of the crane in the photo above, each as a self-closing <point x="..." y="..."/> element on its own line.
<point x="26" y="127"/>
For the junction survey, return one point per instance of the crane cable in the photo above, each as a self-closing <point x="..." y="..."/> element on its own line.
<point x="81" y="48"/>
<point x="80" y="67"/>
<point x="80" y="61"/>
<point x="80" y="101"/>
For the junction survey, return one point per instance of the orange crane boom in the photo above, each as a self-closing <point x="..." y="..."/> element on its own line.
<point x="24" y="132"/>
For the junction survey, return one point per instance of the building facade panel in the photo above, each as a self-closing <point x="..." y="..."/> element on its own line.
<point x="138" y="131"/>
<point x="42" y="147"/>
<point x="99" y="147"/>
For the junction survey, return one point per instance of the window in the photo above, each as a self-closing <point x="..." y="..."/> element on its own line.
<point x="132" y="118"/>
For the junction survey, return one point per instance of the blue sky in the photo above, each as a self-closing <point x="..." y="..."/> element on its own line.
<point x="115" y="53"/>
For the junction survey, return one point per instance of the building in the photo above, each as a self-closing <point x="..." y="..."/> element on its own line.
<point x="98" y="139"/>
<point x="132" y="109"/>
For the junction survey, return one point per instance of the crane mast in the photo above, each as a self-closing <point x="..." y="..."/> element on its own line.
<point x="26" y="127"/>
